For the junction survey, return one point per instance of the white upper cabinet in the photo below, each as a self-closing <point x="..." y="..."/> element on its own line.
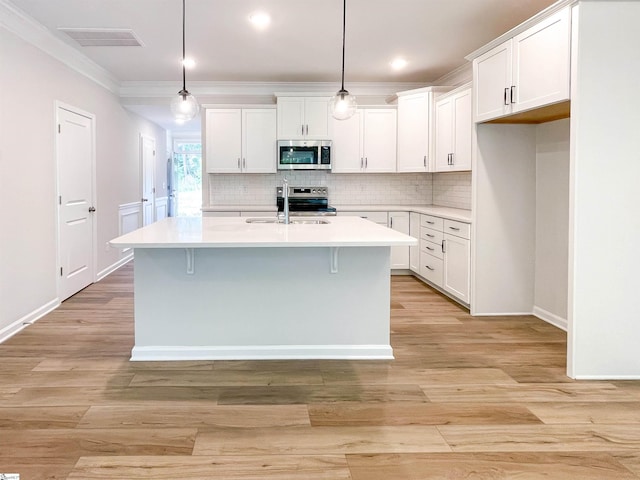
<point x="303" y="118"/>
<point x="241" y="140"/>
<point x="525" y="72"/>
<point x="453" y="131"/>
<point x="365" y="143"/>
<point x="413" y="132"/>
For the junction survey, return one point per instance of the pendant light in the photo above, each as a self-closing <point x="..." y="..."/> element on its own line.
<point x="343" y="104"/>
<point x="184" y="106"/>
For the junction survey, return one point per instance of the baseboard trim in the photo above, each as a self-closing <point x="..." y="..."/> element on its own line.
<point x="112" y="268"/>
<point x="261" y="352"/>
<point x="551" y="318"/>
<point x="29" y="319"/>
<point x="607" y="377"/>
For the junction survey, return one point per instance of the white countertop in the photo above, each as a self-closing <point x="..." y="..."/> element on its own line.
<point x="458" y="214"/>
<point x="235" y="232"/>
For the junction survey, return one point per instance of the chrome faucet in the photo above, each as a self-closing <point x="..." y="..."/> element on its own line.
<point x="285" y="198"/>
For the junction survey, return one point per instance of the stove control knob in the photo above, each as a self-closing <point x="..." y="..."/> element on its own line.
<point x="313" y="191"/>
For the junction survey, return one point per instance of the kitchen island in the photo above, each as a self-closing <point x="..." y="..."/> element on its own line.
<point x="228" y="288"/>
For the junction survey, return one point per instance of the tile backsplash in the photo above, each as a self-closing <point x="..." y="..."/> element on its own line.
<point x="452" y="189"/>
<point x="446" y="189"/>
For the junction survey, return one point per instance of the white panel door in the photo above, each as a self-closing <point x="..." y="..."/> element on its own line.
<point x="148" y="161"/>
<point x="444" y="134"/>
<point x="414" y="252"/>
<point x="413" y="133"/>
<point x="75" y="190"/>
<point x="399" y="221"/>
<point x="541" y="63"/>
<point x="316" y="113"/>
<point x="224" y="140"/>
<point x="492" y="83"/>
<point x="346" y="146"/>
<point x="462" y="131"/>
<point x="380" y="137"/>
<point x="259" y="140"/>
<point x="456" y="266"/>
<point x="291" y="118"/>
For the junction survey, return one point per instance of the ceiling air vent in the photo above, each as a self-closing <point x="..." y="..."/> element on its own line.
<point x="103" y="37"/>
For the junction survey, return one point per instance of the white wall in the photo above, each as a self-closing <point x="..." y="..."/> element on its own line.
<point x="604" y="321"/>
<point x="503" y="229"/>
<point x="30" y="83"/>
<point x="552" y="221"/>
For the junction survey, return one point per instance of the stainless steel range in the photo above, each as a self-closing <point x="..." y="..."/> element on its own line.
<point x="306" y="201"/>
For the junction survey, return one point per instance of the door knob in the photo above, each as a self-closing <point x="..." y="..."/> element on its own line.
<point x="92" y="209"/>
<point x="145" y="199"/>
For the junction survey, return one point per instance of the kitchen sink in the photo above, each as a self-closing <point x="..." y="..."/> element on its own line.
<point x="294" y="221"/>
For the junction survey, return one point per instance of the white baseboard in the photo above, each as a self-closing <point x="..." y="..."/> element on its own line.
<point x="10" y="330"/>
<point x="607" y="377"/>
<point x="260" y="352"/>
<point x="114" y="267"/>
<point x="551" y="318"/>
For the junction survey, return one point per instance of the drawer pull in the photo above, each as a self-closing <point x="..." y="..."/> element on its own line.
<point x="429" y="248"/>
<point x="429" y="235"/>
<point x="430" y="223"/>
<point x="454" y="228"/>
<point x="432" y="269"/>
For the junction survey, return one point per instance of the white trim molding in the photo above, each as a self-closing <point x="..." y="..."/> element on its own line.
<point x="551" y="318"/>
<point x="28" y="319"/>
<point x="112" y="268"/>
<point x="129" y="219"/>
<point x="162" y="207"/>
<point x="263" y="352"/>
<point x="33" y="32"/>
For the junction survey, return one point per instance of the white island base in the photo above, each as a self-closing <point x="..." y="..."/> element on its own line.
<point x="262" y="303"/>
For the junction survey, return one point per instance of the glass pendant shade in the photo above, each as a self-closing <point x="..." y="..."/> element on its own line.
<point x="342" y="105"/>
<point x="184" y="107"/>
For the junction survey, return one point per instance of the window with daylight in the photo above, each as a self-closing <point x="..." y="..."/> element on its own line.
<point x="187" y="178"/>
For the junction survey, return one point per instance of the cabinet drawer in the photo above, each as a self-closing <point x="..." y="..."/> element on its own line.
<point x="377" y="217"/>
<point x="431" y="268"/>
<point x="429" y="221"/>
<point x="431" y="248"/>
<point x="459" y="229"/>
<point x="431" y="235"/>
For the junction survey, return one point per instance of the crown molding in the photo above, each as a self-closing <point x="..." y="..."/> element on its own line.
<point x="27" y="28"/>
<point x="461" y="75"/>
<point x="550" y="10"/>
<point x="215" y="88"/>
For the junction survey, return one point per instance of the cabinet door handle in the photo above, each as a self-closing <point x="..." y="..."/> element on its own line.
<point x="361" y="162"/>
<point x="506" y="96"/>
<point x="425" y="161"/>
<point x="391" y="222"/>
<point x="244" y="163"/>
<point x="444" y="246"/>
<point x="301" y="129"/>
<point x="238" y="164"/>
<point x="513" y="100"/>
<point x="306" y="129"/>
<point x="451" y="159"/>
<point x="454" y="228"/>
<point x="366" y="163"/>
<point x="432" y="269"/>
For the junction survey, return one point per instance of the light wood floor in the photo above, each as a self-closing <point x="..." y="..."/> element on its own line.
<point x="466" y="398"/>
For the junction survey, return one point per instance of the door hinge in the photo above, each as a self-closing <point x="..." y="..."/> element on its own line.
<point x="58" y="128"/>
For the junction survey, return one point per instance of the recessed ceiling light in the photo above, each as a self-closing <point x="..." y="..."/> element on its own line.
<point x="189" y="62"/>
<point x="260" y="20"/>
<point x="399" y="63"/>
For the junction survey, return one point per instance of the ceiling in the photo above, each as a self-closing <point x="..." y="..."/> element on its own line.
<point x="302" y="43"/>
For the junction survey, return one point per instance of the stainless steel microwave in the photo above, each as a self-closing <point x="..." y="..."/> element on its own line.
<point x="304" y="154"/>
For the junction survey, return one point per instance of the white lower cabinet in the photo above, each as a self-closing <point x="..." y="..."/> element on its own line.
<point x="414" y="252"/>
<point x="457" y="255"/>
<point x="444" y="257"/>
<point x="399" y="221"/>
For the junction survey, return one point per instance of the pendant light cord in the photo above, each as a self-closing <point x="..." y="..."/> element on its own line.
<point x="344" y="27"/>
<point x="184" y="74"/>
